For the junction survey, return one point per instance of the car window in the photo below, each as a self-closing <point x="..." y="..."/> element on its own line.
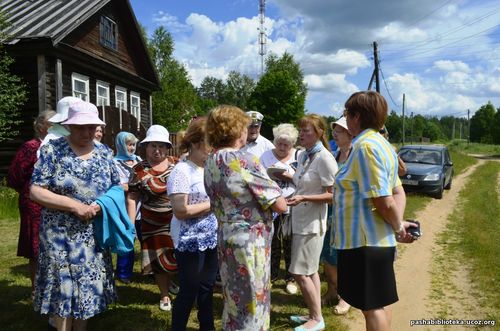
<point x="424" y="156"/>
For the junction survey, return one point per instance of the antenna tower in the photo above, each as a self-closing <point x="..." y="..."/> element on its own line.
<point x="262" y="34"/>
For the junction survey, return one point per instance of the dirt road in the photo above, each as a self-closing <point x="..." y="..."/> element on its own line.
<point x="416" y="265"/>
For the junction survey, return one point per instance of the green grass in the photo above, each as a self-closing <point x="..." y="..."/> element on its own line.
<point x="477" y="227"/>
<point x="470" y="243"/>
<point x="475" y="148"/>
<point x="8" y="203"/>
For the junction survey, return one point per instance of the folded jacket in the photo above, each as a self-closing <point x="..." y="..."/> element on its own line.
<point x="113" y="228"/>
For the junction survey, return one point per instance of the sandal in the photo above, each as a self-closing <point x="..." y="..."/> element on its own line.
<point x="299" y="319"/>
<point x="166" y="306"/>
<point x="341" y="308"/>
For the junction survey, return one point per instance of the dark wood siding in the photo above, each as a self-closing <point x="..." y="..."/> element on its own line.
<point x="87" y="38"/>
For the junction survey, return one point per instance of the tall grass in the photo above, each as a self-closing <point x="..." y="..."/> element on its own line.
<point x="475" y="148"/>
<point x="476" y="226"/>
<point x="8" y="203"/>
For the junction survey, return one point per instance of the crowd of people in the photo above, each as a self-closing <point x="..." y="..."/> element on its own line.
<point x="230" y="207"/>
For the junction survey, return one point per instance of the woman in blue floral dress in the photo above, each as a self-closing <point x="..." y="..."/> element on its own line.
<point x="74" y="279"/>
<point x="243" y="199"/>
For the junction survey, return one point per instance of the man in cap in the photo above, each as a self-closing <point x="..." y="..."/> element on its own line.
<point x="256" y="144"/>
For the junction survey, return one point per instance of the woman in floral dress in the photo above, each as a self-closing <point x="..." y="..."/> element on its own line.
<point x="243" y="198"/>
<point x="74" y="280"/>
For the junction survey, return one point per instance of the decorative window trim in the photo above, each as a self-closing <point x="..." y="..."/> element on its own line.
<point x="118" y="90"/>
<point x="101" y="84"/>
<point x="83" y="79"/>
<point x="108" y="33"/>
<point x="133" y="111"/>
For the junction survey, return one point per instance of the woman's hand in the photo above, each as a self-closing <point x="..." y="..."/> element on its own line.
<point x="85" y="213"/>
<point x="404" y="236"/>
<point x="295" y="200"/>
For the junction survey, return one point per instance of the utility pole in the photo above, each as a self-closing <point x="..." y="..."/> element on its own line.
<point x="453" y="130"/>
<point x="468" y="127"/>
<point x="411" y="131"/>
<point x="375" y="74"/>
<point x="403" y="119"/>
<point x="262" y="34"/>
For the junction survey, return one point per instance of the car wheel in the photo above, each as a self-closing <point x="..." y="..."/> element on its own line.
<point x="439" y="194"/>
<point x="448" y="186"/>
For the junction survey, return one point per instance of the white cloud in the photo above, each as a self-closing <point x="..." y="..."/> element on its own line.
<point x="169" y="21"/>
<point x="446" y="65"/>
<point x="443" y="58"/>
<point x="333" y="83"/>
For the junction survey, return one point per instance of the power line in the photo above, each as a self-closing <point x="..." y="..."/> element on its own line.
<point x="387" y="88"/>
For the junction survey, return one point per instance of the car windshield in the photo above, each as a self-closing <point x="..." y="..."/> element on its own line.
<point x="420" y="156"/>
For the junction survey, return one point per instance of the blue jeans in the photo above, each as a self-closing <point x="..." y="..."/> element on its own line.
<point x="197" y="272"/>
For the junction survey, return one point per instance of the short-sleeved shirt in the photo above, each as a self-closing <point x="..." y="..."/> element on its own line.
<point x="199" y="233"/>
<point x="369" y="172"/>
<point x="239" y="188"/>
<point x="258" y="147"/>
<point x="312" y="177"/>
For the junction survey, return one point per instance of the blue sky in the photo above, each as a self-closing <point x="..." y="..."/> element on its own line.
<point x="444" y="55"/>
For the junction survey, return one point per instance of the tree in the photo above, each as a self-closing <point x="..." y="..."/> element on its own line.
<point x="238" y="89"/>
<point x="280" y="93"/>
<point x="210" y="93"/>
<point x="481" y="124"/>
<point x="176" y="103"/>
<point x="12" y="91"/>
<point x="394" y="125"/>
<point x="495" y="131"/>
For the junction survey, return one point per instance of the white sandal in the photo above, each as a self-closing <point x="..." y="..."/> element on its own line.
<point x="166" y="306"/>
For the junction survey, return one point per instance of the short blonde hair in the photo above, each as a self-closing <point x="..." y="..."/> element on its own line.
<point x="285" y="131"/>
<point x="224" y="126"/>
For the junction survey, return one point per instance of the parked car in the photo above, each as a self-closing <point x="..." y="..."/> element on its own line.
<point x="429" y="169"/>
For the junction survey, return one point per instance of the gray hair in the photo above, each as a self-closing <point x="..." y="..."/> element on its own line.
<point x="285" y="131"/>
<point x="41" y="120"/>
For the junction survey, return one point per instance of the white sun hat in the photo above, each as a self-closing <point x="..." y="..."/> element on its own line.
<point x="342" y="122"/>
<point x="157" y="133"/>
<point x="62" y="109"/>
<point x="83" y="113"/>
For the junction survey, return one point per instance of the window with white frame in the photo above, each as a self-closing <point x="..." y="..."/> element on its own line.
<point x="135" y="105"/>
<point x="102" y="93"/>
<point x="108" y="33"/>
<point x="80" y="86"/>
<point x="121" y="97"/>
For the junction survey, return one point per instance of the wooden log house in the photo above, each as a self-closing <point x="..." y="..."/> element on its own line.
<point x="91" y="49"/>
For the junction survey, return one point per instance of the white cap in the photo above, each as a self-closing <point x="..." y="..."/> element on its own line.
<point x="62" y="109"/>
<point x="157" y="133"/>
<point x="255" y="116"/>
<point x="342" y="122"/>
